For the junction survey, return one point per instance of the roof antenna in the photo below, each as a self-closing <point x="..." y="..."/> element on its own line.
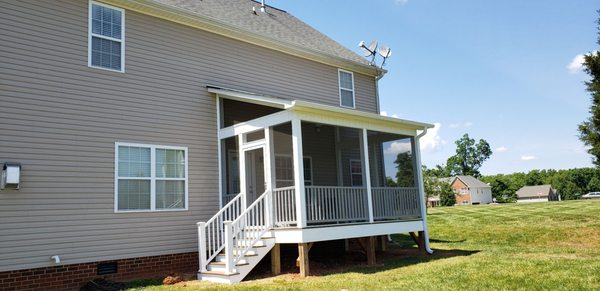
<point x="371" y="51"/>
<point x="262" y="6"/>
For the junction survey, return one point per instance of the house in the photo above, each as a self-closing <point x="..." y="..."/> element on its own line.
<point x="470" y="190"/>
<point x="539" y="193"/>
<point x="162" y="136"/>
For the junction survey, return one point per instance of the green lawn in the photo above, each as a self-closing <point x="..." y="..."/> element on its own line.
<point x="493" y="247"/>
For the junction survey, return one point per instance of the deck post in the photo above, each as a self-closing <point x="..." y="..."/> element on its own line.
<point x="370" y="249"/>
<point x="270" y="175"/>
<point x="364" y="149"/>
<point x="228" y="247"/>
<point x="276" y="259"/>
<point x="297" y="156"/>
<point x="201" y="246"/>
<point x="242" y="165"/>
<point x="383" y="243"/>
<point x="303" y="255"/>
<point x="421" y="187"/>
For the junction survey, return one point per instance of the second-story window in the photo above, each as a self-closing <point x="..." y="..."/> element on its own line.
<point x="106" y="37"/>
<point x="346" y="88"/>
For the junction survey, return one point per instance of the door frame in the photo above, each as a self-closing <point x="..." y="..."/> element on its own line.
<point x="261" y="144"/>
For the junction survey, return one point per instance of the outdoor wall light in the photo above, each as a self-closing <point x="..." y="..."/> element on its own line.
<point x="11" y="176"/>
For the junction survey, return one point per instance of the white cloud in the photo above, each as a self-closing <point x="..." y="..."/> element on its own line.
<point x="395" y="116"/>
<point x="398" y="147"/>
<point x="528" y="158"/>
<point x="431" y="141"/>
<point x="383" y="113"/>
<point x="460" y="124"/>
<point x="576" y="64"/>
<point x="501" y="149"/>
<point x="400" y="2"/>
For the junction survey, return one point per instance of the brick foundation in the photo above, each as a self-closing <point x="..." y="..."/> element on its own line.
<point x="72" y="277"/>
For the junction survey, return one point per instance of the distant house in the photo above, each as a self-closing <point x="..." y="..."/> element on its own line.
<point x="470" y="190"/>
<point x="540" y="193"/>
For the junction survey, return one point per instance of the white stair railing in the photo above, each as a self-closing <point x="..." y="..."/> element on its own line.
<point x="244" y="232"/>
<point x="211" y="234"/>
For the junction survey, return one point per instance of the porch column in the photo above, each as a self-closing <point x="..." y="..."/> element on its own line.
<point x="269" y="160"/>
<point x="242" y="164"/>
<point x="364" y="150"/>
<point x="421" y="187"/>
<point x="297" y="154"/>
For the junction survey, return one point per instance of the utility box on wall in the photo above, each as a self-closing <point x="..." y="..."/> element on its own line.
<point x="11" y="176"/>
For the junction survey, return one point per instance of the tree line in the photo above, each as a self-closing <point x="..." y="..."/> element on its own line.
<point x="570" y="184"/>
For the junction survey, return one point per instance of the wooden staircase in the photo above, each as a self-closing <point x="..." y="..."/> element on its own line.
<point x="235" y="240"/>
<point x="217" y="272"/>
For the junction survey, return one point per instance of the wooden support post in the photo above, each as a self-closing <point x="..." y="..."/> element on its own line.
<point x="276" y="259"/>
<point x="298" y="259"/>
<point x="346" y="245"/>
<point x="370" y="245"/>
<point x="421" y="241"/>
<point x="303" y="256"/>
<point x="383" y="242"/>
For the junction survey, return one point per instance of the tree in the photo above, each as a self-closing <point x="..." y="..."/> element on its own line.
<point x="589" y="130"/>
<point x="405" y="176"/>
<point x="469" y="156"/>
<point x="447" y="196"/>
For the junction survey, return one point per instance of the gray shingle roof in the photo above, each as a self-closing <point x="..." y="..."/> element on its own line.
<point x="534" y="191"/>
<point x="275" y="24"/>
<point x="472" y="182"/>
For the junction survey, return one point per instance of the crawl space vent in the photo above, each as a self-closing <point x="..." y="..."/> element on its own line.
<point x="106" y="268"/>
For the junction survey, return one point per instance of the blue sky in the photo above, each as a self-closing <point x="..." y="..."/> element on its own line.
<point x="497" y="70"/>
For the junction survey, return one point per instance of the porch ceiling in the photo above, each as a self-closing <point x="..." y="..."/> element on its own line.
<point x="320" y="113"/>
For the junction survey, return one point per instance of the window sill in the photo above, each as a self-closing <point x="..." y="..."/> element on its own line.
<point x="151" y="211"/>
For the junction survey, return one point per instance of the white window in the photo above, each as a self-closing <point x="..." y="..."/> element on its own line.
<point x="346" y="80"/>
<point x="150" y="177"/>
<point x="284" y="171"/>
<point x="356" y="173"/>
<point x="106" y="37"/>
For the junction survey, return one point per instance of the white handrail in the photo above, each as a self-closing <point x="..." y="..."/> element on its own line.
<point x="211" y="238"/>
<point x="247" y="230"/>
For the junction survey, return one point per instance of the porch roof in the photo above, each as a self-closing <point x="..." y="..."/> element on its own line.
<point x="310" y="109"/>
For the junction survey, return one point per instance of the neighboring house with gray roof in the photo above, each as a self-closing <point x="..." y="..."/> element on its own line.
<point x="144" y="127"/>
<point x="470" y="190"/>
<point x="539" y="193"/>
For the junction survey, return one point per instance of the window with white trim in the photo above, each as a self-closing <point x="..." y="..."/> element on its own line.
<point x="356" y="173"/>
<point x="284" y="171"/>
<point x="346" y="82"/>
<point x="106" y="37"/>
<point x="150" y="177"/>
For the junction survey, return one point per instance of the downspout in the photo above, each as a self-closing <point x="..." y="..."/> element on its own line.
<point x="422" y="191"/>
<point x="377" y="78"/>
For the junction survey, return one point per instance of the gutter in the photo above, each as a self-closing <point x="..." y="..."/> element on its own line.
<point x="424" y="208"/>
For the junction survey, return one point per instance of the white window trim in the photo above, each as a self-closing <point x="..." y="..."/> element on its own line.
<point x="351" y="173"/>
<point x="152" y="177"/>
<point x="90" y="34"/>
<point x="292" y="180"/>
<point x="340" y="89"/>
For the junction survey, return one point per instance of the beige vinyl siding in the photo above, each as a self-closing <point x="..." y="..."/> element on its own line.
<point x="61" y="119"/>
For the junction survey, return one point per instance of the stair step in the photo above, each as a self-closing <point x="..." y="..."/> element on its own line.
<point x="217" y="273"/>
<point x="221" y="257"/>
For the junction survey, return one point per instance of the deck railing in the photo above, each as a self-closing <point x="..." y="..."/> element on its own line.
<point x="335" y="205"/>
<point x="284" y="203"/>
<point x="211" y="234"/>
<point x="390" y="203"/>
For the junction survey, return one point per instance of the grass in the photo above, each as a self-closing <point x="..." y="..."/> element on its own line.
<point x="536" y="246"/>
